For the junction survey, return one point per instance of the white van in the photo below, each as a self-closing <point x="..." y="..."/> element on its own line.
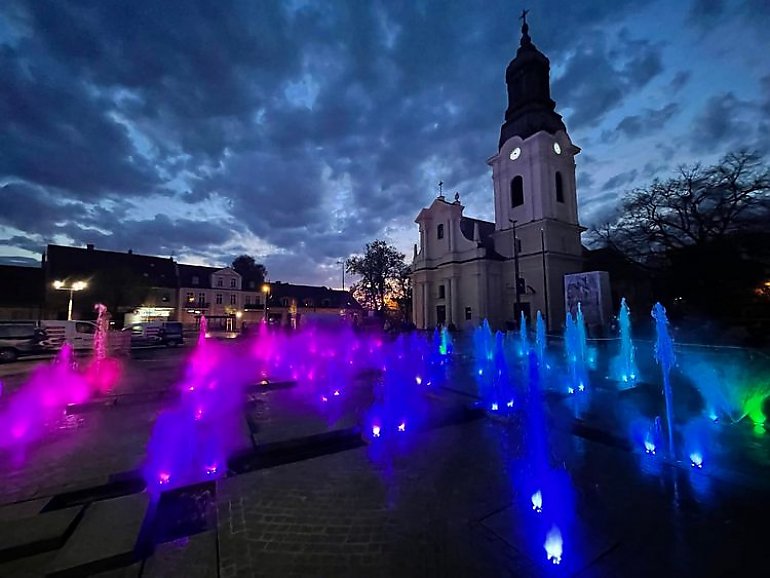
<point x="79" y="334"/>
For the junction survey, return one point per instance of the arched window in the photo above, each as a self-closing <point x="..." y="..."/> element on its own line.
<point x="440" y="232"/>
<point x="559" y="188"/>
<point x="517" y="191"/>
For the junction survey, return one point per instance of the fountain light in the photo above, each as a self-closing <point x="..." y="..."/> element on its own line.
<point x="713" y="416"/>
<point x="570" y="390"/>
<point x="164" y="478"/>
<point x="336" y="393"/>
<point x="324" y="398"/>
<point x="481" y="372"/>
<point x="376" y="431"/>
<point x="649" y="447"/>
<point x="402" y="426"/>
<point x="510" y="403"/>
<point x="418" y="379"/>
<point x="211" y="470"/>
<point x="696" y="460"/>
<point x="494" y="407"/>
<point x="581" y="387"/>
<point x="553" y="545"/>
<point x="198" y="413"/>
<point x="264" y="382"/>
<point x="537" y="501"/>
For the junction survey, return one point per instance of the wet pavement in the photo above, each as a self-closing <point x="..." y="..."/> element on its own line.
<point x="452" y="498"/>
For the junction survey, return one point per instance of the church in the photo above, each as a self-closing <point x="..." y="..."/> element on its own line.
<point x="465" y="269"/>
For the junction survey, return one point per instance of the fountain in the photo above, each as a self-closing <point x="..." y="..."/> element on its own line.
<point x="103" y="372"/>
<point x="523" y="336"/>
<point x="627" y="364"/>
<point x="540" y="340"/>
<point x="664" y="355"/>
<point x="575" y="350"/>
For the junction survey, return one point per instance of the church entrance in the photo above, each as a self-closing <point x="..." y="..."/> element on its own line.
<point x="440" y="314"/>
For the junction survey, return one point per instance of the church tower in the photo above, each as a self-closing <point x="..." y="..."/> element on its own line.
<point x="535" y="193"/>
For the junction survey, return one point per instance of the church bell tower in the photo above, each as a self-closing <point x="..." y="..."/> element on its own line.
<point x="535" y="192"/>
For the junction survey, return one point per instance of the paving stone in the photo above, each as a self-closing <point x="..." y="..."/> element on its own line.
<point x="132" y="571"/>
<point x="104" y="539"/>
<point x="27" y="567"/>
<point x="36" y="534"/>
<point x="191" y="557"/>
<point x="21" y="510"/>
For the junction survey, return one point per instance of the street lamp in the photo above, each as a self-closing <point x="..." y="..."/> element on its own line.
<point x="266" y="291"/>
<point x="343" y="263"/>
<point x="76" y="286"/>
<point x="516" y="271"/>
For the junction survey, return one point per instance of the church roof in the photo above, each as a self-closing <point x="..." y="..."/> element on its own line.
<point x="467" y="226"/>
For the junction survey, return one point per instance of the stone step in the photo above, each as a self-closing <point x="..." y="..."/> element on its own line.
<point x="20" y="510"/>
<point x="191" y="557"/>
<point x="36" y="534"/>
<point x="105" y="539"/>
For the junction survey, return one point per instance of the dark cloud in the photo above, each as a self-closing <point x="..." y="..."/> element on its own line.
<point x="721" y="124"/>
<point x="312" y="127"/>
<point x="603" y="72"/>
<point x="647" y="122"/>
<point x="620" y="180"/>
<point x="679" y="81"/>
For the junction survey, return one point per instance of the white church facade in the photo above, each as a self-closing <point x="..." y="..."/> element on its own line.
<point x="465" y="269"/>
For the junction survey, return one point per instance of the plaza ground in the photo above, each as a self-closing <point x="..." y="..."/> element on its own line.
<point x="451" y="498"/>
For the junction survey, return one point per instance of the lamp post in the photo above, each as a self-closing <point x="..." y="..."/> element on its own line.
<point x="343" y="263"/>
<point x="516" y="272"/>
<point x="545" y="280"/>
<point x="266" y="291"/>
<point x="76" y="286"/>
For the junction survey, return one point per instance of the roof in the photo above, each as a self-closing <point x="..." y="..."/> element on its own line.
<point x="337" y="299"/>
<point x="203" y="273"/>
<point x="21" y="286"/>
<point x="486" y="228"/>
<point x="70" y="262"/>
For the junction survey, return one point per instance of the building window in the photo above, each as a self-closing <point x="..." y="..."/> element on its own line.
<point x="326" y="303"/>
<point x="248" y="300"/>
<point x="257" y="300"/>
<point x="190" y="297"/>
<point x="220" y="282"/>
<point x="219" y="299"/>
<point x="195" y="280"/>
<point x="232" y="299"/>
<point x="441" y="292"/>
<point x="559" y="188"/>
<point x="252" y="284"/>
<point x="517" y="191"/>
<point x="284" y="301"/>
<point x="308" y="303"/>
<point x="440" y="231"/>
<point x="201" y="299"/>
<point x="468" y="315"/>
<point x="232" y="283"/>
<point x="165" y="298"/>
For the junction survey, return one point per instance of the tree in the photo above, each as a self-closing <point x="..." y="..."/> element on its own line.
<point x="698" y="208"/>
<point x="248" y="268"/>
<point x="382" y="271"/>
<point x="700" y="235"/>
<point x="120" y="289"/>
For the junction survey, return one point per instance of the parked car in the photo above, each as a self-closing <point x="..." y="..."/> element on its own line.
<point x="171" y="333"/>
<point x="168" y="333"/>
<point x="19" y="338"/>
<point x="79" y="334"/>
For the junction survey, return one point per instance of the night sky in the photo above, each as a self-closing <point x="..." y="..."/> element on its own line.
<point x="298" y="131"/>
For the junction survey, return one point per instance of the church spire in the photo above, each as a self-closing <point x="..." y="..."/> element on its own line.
<point x="525" y="39"/>
<point x="530" y="108"/>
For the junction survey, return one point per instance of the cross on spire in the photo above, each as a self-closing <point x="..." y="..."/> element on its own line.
<point x="441" y="188"/>
<point x="525" y="39"/>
